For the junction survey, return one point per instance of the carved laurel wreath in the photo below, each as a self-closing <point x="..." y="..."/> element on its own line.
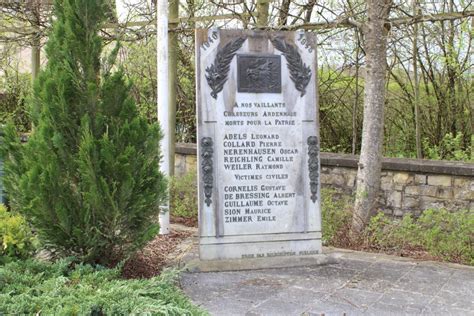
<point x="217" y="72"/>
<point x="216" y="76"/>
<point x="300" y="73"/>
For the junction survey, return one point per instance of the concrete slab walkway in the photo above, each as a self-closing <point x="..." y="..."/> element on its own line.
<point x="360" y="283"/>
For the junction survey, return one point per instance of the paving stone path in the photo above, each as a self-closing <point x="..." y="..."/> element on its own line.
<point x="360" y="283"/>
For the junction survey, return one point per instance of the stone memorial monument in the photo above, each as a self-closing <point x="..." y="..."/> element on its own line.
<point x="258" y="144"/>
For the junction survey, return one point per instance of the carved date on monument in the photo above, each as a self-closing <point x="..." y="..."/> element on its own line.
<point x="313" y="166"/>
<point x="259" y="73"/>
<point x="207" y="152"/>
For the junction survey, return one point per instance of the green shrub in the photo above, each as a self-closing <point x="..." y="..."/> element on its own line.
<point x="450" y="148"/>
<point x="38" y="288"/>
<point x="16" y="239"/>
<point x="336" y="218"/>
<point x="387" y="233"/>
<point x="88" y="177"/>
<point x="446" y="235"/>
<point x="184" y="195"/>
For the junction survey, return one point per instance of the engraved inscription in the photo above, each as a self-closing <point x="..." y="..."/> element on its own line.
<point x="255" y="152"/>
<point x="280" y="254"/>
<point x="259" y="73"/>
<point x="302" y="39"/>
<point x="210" y="39"/>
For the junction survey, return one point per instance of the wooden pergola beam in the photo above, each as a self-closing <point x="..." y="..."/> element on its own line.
<point x="179" y="20"/>
<point x="338" y="23"/>
<point x="27" y="2"/>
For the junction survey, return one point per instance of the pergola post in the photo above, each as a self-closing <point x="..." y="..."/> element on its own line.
<point x="36" y="40"/>
<point x="172" y="78"/>
<point x="163" y="102"/>
<point x="262" y="12"/>
<point x="35" y="57"/>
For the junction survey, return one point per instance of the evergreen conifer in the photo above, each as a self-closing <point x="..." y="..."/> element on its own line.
<point x="88" y="178"/>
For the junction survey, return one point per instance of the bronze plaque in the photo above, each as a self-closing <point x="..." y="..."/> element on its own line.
<point x="259" y="73"/>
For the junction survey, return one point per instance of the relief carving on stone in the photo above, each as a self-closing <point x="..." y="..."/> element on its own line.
<point x="217" y="72"/>
<point x="207" y="152"/>
<point x="313" y="166"/>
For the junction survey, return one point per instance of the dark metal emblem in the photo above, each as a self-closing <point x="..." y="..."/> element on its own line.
<point x="313" y="166"/>
<point x="300" y="73"/>
<point x="259" y="73"/>
<point x="217" y="72"/>
<point x="207" y="152"/>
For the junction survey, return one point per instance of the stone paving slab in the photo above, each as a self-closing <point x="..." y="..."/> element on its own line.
<point x="358" y="284"/>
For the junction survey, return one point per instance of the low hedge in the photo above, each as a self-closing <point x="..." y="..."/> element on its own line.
<point x="62" y="288"/>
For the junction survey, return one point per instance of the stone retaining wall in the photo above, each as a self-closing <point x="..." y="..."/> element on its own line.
<point x="408" y="185"/>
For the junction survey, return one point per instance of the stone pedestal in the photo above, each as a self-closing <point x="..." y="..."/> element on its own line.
<point x="258" y="150"/>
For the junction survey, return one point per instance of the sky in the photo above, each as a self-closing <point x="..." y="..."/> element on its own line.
<point x="122" y="8"/>
<point x="121" y="11"/>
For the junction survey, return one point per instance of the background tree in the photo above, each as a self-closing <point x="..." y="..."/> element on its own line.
<point x="88" y="177"/>
<point x="370" y="162"/>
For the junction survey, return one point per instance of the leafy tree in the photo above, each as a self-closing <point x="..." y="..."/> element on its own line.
<point x="13" y="100"/>
<point x="88" y="178"/>
<point x="370" y="162"/>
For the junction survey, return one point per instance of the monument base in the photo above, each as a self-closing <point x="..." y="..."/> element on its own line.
<point x="267" y="246"/>
<point x="197" y="265"/>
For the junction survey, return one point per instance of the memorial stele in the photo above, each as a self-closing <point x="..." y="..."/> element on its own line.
<point x="258" y="144"/>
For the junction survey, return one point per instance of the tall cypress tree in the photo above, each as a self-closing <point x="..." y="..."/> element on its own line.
<point x="88" y="178"/>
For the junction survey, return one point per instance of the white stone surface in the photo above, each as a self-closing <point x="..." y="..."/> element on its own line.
<point x="261" y="184"/>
